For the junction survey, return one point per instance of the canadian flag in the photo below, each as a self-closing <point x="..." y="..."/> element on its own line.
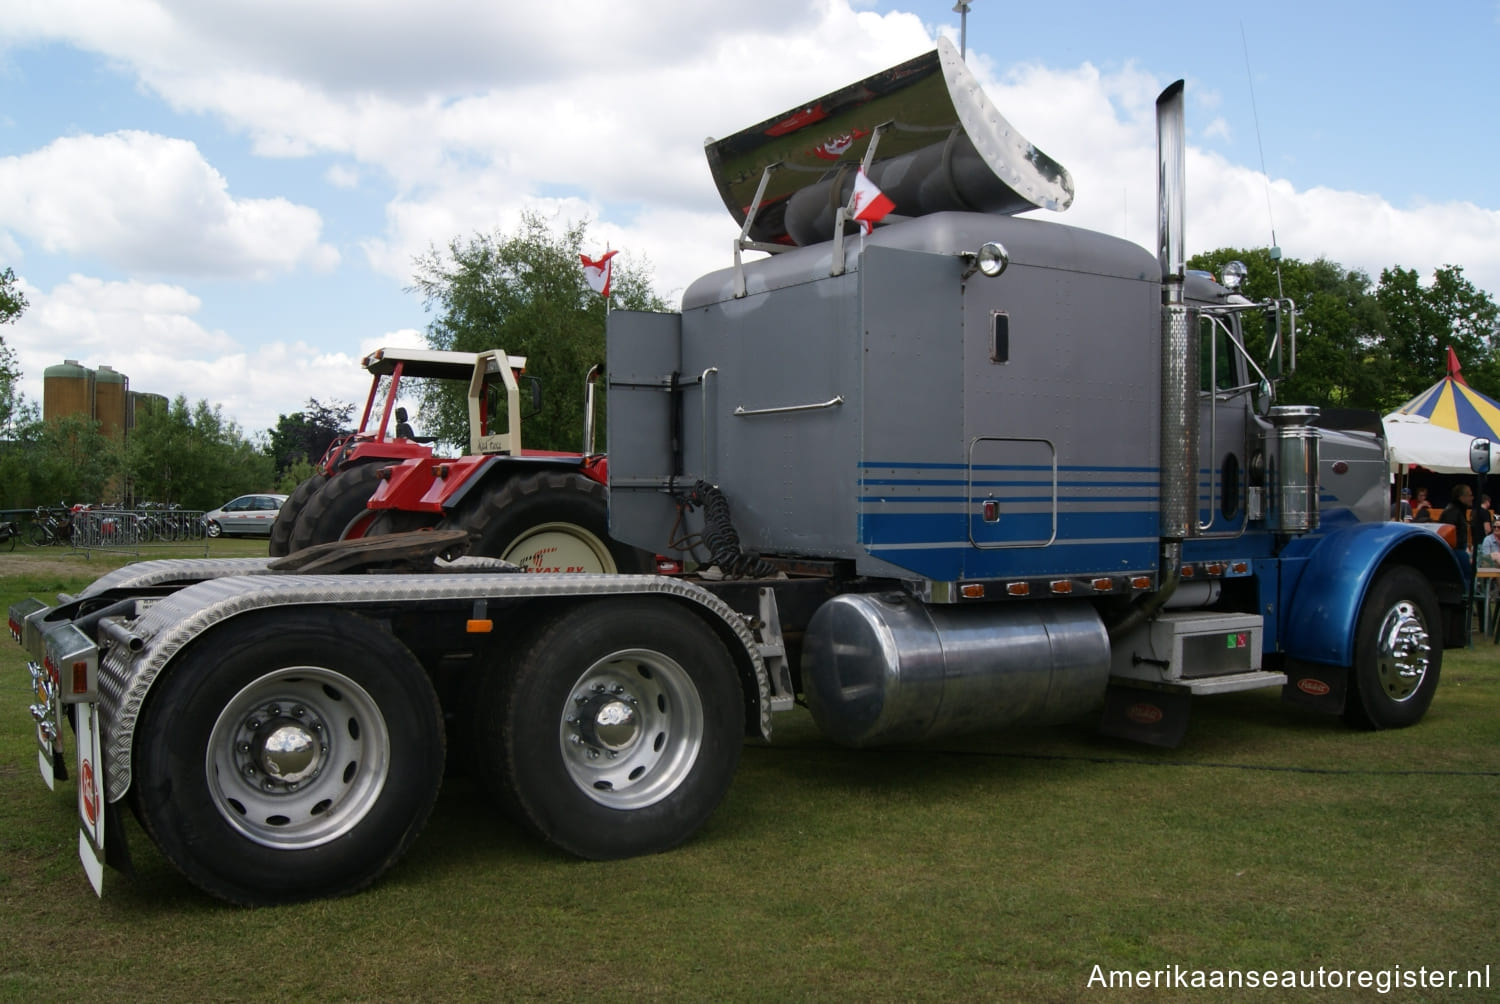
<point x="870" y="203"/>
<point x="598" y="273"/>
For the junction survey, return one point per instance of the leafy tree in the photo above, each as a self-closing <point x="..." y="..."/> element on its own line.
<point x="194" y="456"/>
<point x="293" y="475"/>
<point x="1424" y="321"/>
<point x="1340" y="326"/>
<point x="524" y="293"/>
<point x="12" y="304"/>
<point x="303" y="436"/>
<point x="71" y="460"/>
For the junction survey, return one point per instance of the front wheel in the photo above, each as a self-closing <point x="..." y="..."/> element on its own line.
<point x="212" y="528"/>
<point x="289" y="757"/>
<point x="286" y="516"/>
<point x="337" y="506"/>
<point x="1398" y="652"/>
<point x="618" y="730"/>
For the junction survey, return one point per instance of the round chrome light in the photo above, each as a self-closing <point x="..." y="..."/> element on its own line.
<point x="992" y="258"/>
<point x="1234" y="276"/>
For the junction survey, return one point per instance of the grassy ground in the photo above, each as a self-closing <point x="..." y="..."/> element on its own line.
<point x="997" y="868"/>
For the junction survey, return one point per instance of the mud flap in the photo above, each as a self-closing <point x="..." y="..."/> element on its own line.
<point x="91" y="806"/>
<point x="1156" y="717"/>
<point x="1314" y="686"/>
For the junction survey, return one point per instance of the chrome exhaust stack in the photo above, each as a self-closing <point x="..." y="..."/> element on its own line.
<point x="1179" y="355"/>
<point x="1179" y="364"/>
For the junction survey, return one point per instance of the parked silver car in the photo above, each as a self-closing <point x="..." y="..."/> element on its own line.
<point x="248" y="515"/>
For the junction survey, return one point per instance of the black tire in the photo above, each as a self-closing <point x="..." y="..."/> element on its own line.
<point x="38" y="536"/>
<point x="357" y="721"/>
<point x="212" y="528"/>
<point x="533" y="518"/>
<point x="336" y="506"/>
<point x="619" y="730"/>
<point x="1398" y="652"/>
<point x="286" y="516"/>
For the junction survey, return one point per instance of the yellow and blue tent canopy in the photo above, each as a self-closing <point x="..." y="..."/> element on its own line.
<point x="1452" y="404"/>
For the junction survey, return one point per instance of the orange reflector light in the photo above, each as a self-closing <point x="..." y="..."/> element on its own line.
<point x="1062" y="586"/>
<point x="1215" y="569"/>
<point x="440" y="471"/>
<point x="1187" y="571"/>
<point x="972" y="590"/>
<point x="1240" y="567"/>
<point x="479" y="626"/>
<point x="1140" y="582"/>
<point x="1103" y="585"/>
<point x="80" y="678"/>
<point x="1018" y="589"/>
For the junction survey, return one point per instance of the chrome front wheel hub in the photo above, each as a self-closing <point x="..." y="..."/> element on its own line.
<point x="1405" y="651"/>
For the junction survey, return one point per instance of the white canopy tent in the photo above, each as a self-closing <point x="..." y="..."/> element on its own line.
<point x="1411" y="439"/>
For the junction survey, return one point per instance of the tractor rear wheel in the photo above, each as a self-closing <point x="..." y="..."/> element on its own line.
<point x="286" y="518"/>
<point x="336" y="508"/>
<point x="547" y="521"/>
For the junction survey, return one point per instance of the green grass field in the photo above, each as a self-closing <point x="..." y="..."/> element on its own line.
<point x="992" y="868"/>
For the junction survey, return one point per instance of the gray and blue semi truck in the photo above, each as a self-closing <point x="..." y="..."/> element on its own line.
<point x="958" y="472"/>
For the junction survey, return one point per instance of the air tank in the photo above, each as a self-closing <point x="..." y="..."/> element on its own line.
<point x="881" y="669"/>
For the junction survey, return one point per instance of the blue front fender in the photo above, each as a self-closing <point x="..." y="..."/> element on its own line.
<point x="1320" y="607"/>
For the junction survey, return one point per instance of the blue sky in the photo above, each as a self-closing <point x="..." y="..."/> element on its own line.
<point x="223" y="200"/>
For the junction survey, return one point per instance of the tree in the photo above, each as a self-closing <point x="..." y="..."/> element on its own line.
<point x="193" y="456"/>
<point x="303" y="436"/>
<point x="12" y="304"/>
<point x="524" y="293"/>
<point x="1424" y="321"/>
<point x="1340" y="326"/>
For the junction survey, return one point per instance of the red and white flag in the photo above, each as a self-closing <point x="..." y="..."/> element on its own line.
<point x="870" y="203"/>
<point x="598" y="273"/>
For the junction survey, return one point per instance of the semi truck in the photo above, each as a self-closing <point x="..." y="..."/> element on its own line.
<point x="962" y="472"/>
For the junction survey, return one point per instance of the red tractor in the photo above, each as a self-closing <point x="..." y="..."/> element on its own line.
<point x="545" y="511"/>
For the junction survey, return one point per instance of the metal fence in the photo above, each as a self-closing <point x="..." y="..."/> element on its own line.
<point x="120" y="530"/>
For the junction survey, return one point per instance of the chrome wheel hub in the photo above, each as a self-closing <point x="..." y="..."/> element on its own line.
<point x="1405" y="650"/>
<point x="632" y="729"/>
<point x="298" y="757"/>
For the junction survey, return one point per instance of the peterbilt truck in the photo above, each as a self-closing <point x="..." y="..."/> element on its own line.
<point x="961" y="472"/>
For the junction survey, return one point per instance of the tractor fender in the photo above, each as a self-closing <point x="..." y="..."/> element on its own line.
<point x="1320" y="607"/>
<point x="467" y="474"/>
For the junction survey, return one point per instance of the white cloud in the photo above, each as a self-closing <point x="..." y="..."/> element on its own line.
<point x="148" y="204"/>
<point x="149" y="332"/>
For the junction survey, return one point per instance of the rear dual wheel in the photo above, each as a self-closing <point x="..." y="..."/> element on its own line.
<point x="617" y="731"/>
<point x="289" y="757"/>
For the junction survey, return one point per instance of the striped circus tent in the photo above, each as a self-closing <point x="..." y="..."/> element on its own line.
<point x="1452" y="404"/>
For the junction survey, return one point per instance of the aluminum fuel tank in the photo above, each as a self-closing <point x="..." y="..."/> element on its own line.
<point x="880" y="669"/>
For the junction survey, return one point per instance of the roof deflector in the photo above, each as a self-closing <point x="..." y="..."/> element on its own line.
<point x="945" y="147"/>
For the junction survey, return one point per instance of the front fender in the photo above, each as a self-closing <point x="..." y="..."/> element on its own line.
<point x="1321" y="607"/>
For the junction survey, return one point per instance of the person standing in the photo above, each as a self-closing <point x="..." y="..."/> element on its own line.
<point x="1457" y="514"/>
